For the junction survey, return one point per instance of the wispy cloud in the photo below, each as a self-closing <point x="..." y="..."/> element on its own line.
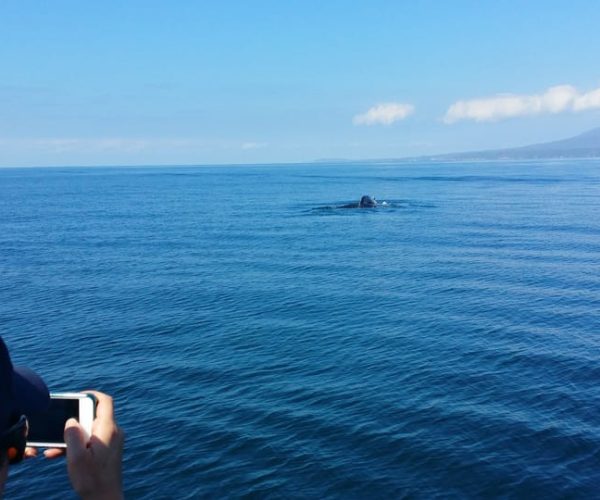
<point x="254" y="145"/>
<point x="60" y="145"/>
<point x="384" y="114"/>
<point x="556" y="99"/>
<point x="75" y="144"/>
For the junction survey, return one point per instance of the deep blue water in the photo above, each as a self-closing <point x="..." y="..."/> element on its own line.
<point x="261" y="342"/>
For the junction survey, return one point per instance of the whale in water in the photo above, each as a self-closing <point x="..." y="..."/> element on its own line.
<point x="367" y="202"/>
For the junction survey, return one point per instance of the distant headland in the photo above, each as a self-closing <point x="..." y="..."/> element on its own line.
<point x="585" y="145"/>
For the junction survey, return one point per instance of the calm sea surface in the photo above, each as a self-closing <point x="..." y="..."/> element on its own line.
<point x="259" y="341"/>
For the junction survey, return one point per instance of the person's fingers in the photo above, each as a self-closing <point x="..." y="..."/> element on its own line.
<point x="30" y="452"/>
<point x="104" y="410"/>
<point x="75" y="440"/>
<point x="54" y="452"/>
<point x="104" y="428"/>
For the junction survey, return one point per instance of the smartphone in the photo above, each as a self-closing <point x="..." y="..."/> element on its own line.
<point x="46" y="428"/>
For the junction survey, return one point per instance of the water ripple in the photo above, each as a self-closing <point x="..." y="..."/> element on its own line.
<point x="446" y="346"/>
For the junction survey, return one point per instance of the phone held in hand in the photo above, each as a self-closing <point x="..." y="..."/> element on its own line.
<point x="46" y="429"/>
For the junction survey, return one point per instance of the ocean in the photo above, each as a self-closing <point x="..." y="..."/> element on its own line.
<point x="261" y="341"/>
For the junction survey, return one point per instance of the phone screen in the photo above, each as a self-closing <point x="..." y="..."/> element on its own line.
<point x="49" y="426"/>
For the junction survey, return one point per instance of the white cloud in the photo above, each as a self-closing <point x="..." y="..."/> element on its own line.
<point x="589" y="100"/>
<point x="384" y="114"/>
<point x="554" y="100"/>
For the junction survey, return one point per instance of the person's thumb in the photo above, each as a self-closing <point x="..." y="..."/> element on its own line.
<point x="75" y="440"/>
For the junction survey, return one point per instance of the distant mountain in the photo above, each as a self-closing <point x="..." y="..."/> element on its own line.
<point x="586" y="145"/>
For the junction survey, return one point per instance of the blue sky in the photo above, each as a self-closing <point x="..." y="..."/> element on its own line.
<point x="183" y="82"/>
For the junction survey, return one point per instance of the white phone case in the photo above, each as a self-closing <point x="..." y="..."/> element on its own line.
<point x="87" y="413"/>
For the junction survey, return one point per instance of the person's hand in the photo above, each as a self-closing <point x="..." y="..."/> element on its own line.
<point x="95" y="466"/>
